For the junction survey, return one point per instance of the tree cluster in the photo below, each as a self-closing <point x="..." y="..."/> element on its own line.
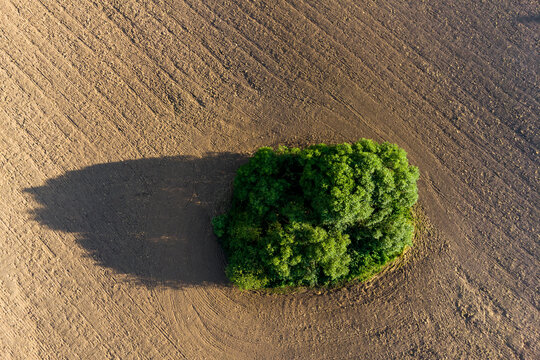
<point x="317" y="216"/>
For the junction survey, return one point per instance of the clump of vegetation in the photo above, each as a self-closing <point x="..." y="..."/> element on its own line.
<point x="318" y="216"/>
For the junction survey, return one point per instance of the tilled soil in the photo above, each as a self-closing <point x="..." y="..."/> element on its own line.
<point x="122" y="124"/>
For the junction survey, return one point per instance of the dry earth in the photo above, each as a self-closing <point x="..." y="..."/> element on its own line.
<point x="122" y="124"/>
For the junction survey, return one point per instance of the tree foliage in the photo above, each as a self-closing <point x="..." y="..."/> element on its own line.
<point x="315" y="216"/>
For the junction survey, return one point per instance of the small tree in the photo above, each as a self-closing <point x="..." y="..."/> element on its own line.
<point x="315" y="216"/>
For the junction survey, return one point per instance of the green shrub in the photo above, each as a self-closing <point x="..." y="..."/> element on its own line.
<point x="316" y="216"/>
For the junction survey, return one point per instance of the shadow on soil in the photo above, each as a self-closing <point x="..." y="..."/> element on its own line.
<point x="148" y="218"/>
<point x="529" y="19"/>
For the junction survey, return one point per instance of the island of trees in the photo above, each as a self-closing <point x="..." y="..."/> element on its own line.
<point x="318" y="216"/>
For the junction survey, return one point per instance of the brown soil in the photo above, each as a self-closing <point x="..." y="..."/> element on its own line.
<point x="122" y="124"/>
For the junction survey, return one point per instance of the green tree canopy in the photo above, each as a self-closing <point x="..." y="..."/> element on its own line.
<point x="315" y="216"/>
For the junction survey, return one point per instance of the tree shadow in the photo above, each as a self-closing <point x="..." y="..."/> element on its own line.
<point x="148" y="218"/>
<point x="535" y="19"/>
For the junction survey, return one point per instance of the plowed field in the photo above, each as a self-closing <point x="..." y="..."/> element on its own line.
<point x="122" y="124"/>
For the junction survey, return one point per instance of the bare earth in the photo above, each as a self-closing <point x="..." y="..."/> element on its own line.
<point x="122" y="124"/>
